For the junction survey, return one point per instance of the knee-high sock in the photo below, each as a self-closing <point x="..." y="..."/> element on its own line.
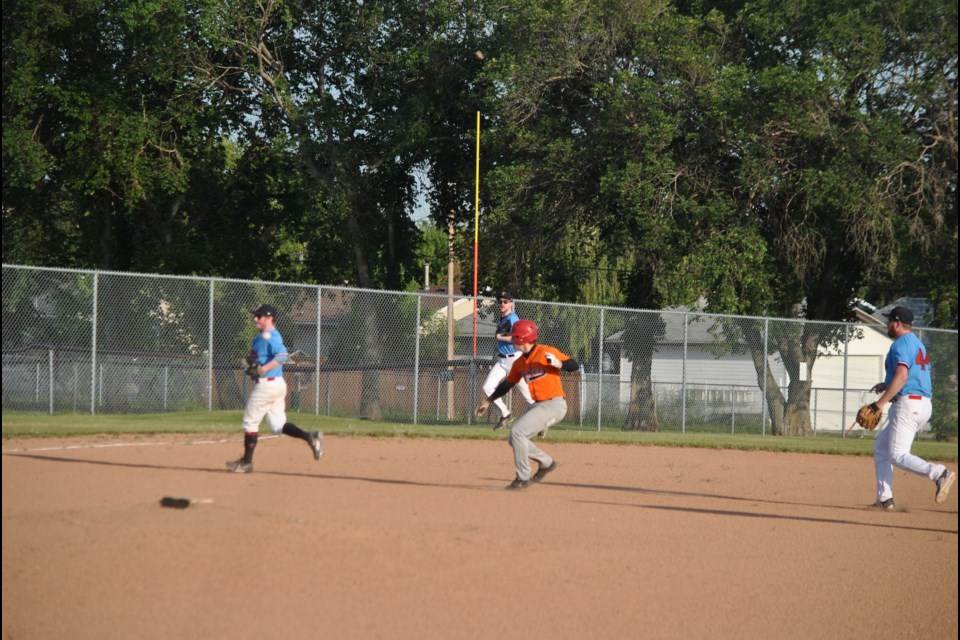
<point x="249" y="444"/>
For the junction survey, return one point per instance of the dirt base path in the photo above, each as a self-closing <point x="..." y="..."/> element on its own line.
<point x="417" y="539"/>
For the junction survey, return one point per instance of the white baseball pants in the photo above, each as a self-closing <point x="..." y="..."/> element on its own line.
<point x="497" y="373"/>
<point x="267" y="400"/>
<point x="906" y="418"/>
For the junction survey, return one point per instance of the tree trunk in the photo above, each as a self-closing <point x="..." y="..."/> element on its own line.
<point x="370" y="379"/>
<point x="790" y="415"/>
<point x="643" y="412"/>
<point x="639" y="340"/>
<point x="797" y="420"/>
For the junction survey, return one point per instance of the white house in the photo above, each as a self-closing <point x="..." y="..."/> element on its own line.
<point x="686" y="357"/>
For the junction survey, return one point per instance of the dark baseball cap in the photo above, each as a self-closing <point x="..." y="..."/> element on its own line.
<point x="265" y="310"/>
<point x="504" y="295"/>
<point x="901" y="314"/>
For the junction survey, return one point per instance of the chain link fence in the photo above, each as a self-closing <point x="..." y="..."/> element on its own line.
<point x="106" y="342"/>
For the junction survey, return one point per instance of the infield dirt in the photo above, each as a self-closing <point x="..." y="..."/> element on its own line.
<point x="417" y="539"/>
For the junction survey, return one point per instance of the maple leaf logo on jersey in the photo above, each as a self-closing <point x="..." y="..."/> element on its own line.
<point x="534" y="374"/>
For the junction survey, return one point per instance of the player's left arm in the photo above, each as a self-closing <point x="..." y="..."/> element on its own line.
<point x="504" y="327"/>
<point x="561" y="361"/>
<point x="896" y="384"/>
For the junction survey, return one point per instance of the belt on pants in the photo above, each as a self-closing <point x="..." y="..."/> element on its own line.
<point x="512" y="355"/>
<point x="257" y="381"/>
<point x="911" y="397"/>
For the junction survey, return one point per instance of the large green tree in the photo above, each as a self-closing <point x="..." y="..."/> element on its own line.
<point x="771" y="158"/>
<point x="753" y="157"/>
<point x="356" y="90"/>
<point x="101" y="139"/>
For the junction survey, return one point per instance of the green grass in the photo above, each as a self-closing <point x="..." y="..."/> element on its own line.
<point x="40" y="425"/>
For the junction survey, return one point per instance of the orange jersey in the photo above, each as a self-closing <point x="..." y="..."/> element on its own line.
<point x="542" y="378"/>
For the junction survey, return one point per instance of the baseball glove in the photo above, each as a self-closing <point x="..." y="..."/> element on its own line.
<point x="482" y="408"/>
<point x="869" y="416"/>
<point x="250" y="369"/>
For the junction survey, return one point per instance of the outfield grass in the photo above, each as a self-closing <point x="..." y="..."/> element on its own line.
<point x="76" y="424"/>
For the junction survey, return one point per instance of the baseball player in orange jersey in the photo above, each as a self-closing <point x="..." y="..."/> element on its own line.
<point x="540" y="366"/>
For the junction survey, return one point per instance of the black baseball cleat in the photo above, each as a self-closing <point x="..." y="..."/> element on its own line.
<point x="884" y="505"/>
<point x="239" y="466"/>
<point x="543" y="471"/>
<point x="519" y="484"/>
<point x="316" y="443"/>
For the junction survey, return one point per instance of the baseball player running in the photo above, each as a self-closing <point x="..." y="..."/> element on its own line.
<point x="540" y="366"/>
<point x="506" y="355"/>
<point x="266" y="358"/>
<point x="908" y="389"/>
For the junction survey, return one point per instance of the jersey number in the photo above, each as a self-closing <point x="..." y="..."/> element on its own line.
<point x="923" y="360"/>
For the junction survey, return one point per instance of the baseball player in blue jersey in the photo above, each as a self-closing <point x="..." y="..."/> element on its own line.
<point x="908" y="389"/>
<point x="267" y="400"/>
<point x="506" y="356"/>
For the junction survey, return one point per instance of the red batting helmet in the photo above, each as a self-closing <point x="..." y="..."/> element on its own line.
<point x="524" y="332"/>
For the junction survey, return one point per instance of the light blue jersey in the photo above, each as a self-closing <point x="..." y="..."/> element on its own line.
<point x="909" y="351"/>
<point x="269" y="346"/>
<point x="505" y="325"/>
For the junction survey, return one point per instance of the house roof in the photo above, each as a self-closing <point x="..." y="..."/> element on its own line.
<point x="921" y="307"/>
<point x="486" y="323"/>
<point x="697" y="330"/>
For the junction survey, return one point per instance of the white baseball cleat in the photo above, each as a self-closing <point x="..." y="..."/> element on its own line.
<point x="944" y="482"/>
<point x="316" y="443"/>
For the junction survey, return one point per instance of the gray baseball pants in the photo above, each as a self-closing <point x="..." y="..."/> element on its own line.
<point x="540" y="416"/>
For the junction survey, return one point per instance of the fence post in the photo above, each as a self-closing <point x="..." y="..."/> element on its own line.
<point x="583" y="389"/>
<point x="93" y="347"/>
<point x="683" y="375"/>
<point x="843" y="396"/>
<point x="328" y="393"/>
<point x="210" y="348"/>
<point x="766" y="343"/>
<point x="316" y="376"/>
<point x="600" y="373"/>
<point x="439" y="380"/>
<point x="733" y="411"/>
<point x="166" y="381"/>
<point x="816" y="397"/>
<point x="472" y="396"/>
<point x="416" y="362"/>
<point x="51" y="380"/>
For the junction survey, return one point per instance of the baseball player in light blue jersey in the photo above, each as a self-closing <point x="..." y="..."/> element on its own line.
<point x="507" y="354"/>
<point x="908" y="389"/>
<point x="268" y="398"/>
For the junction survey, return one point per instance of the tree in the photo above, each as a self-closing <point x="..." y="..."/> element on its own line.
<point x="749" y="155"/>
<point x="344" y="83"/>
<point x="605" y="160"/>
<point x="100" y="138"/>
